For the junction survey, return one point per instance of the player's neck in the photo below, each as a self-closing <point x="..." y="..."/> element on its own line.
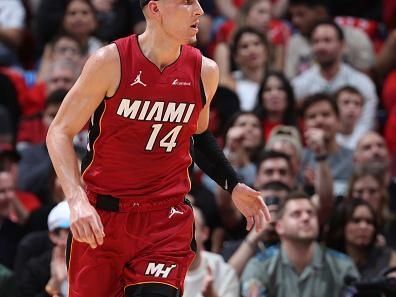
<point x="158" y="49"/>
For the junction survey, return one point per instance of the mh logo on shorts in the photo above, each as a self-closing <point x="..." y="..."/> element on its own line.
<point x="159" y="270"/>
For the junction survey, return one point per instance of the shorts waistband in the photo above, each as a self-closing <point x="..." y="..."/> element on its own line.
<point x="110" y="203"/>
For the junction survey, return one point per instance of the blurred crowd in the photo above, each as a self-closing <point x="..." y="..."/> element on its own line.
<point x="305" y="112"/>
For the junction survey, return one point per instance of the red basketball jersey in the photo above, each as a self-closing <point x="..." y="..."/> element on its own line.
<point x="139" y="140"/>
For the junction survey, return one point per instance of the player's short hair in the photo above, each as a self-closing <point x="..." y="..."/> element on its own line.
<point x="351" y="90"/>
<point x="143" y="3"/>
<point x="331" y="23"/>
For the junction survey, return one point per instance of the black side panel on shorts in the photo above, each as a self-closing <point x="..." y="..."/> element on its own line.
<point x="193" y="243"/>
<point x="151" y="290"/>
<point x="68" y="248"/>
<point x="203" y="95"/>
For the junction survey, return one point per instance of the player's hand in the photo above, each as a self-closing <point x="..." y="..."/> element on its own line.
<point x="85" y="222"/>
<point x="252" y="206"/>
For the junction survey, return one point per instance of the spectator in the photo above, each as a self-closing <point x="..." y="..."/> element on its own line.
<point x="33" y="130"/>
<point x="331" y="74"/>
<point x="299" y="265"/>
<point x="114" y="19"/>
<point x="250" y="52"/>
<point x="321" y="117"/>
<point x="209" y="275"/>
<point x="256" y="14"/>
<point x="275" y="104"/>
<point x="371" y="148"/>
<point x="80" y="21"/>
<point x="274" y="167"/>
<point x="305" y="15"/>
<point x="287" y="139"/>
<point x="12" y="23"/>
<point x="243" y="143"/>
<point x="63" y="47"/>
<point x="368" y="183"/>
<point x="350" y="104"/>
<point x="10" y="232"/>
<point x="239" y="252"/>
<point x="47" y="274"/>
<point x="26" y="201"/>
<point x="353" y="230"/>
<point x="8" y="283"/>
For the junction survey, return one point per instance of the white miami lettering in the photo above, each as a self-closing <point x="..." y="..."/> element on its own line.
<point x="158" y="111"/>
<point x="159" y="270"/>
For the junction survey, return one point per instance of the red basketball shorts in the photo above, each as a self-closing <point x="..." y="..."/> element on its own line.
<point x="143" y="244"/>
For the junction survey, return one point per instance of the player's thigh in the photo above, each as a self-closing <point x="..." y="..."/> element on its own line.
<point x="96" y="272"/>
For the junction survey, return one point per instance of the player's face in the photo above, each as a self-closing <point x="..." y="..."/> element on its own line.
<point x="180" y="19"/>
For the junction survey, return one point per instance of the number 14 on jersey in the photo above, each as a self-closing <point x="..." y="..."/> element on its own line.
<point x="168" y="141"/>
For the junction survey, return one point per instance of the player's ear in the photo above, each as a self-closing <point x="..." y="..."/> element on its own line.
<point x="153" y="9"/>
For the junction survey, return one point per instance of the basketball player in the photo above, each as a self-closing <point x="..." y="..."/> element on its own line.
<point x="147" y="95"/>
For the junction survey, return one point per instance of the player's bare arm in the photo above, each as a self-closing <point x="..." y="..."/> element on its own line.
<point x="99" y="78"/>
<point x="247" y="200"/>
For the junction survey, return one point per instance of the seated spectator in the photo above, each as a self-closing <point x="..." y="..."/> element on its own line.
<point x="321" y="115"/>
<point x="8" y="283"/>
<point x="12" y="23"/>
<point x="47" y="274"/>
<point x="250" y="52"/>
<point x="7" y="134"/>
<point x="275" y="104"/>
<point x="287" y="139"/>
<point x="243" y="144"/>
<point x="208" y="275"/>
<point x="299" y="265"/>
<point x="274" y="166"/>
<point x="10" y="232"/>
<point x="238" y="253"/>
<point x="114" y="19"/>
<point x="305" y="14"/>
<point x="350" y="105"/>
<point x="63" y="47"/>
<point x="33" y="130"/>
<point x="27" y="201"/>
<point x="371" y="148"/>
<point x="256" y="14"/>
<point x="80" y="21"/>
<point x="353" y="230"/>
<point x="224" y="105"/>
<point x="330" y="73"/>
<point x="368" y="183"/>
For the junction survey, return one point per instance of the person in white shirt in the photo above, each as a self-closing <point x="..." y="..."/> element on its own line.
<point x="305" y="14"/>
<point x="350" y="104"/>
<point x="331" y="74"/>
<point x="209" y="275"/>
